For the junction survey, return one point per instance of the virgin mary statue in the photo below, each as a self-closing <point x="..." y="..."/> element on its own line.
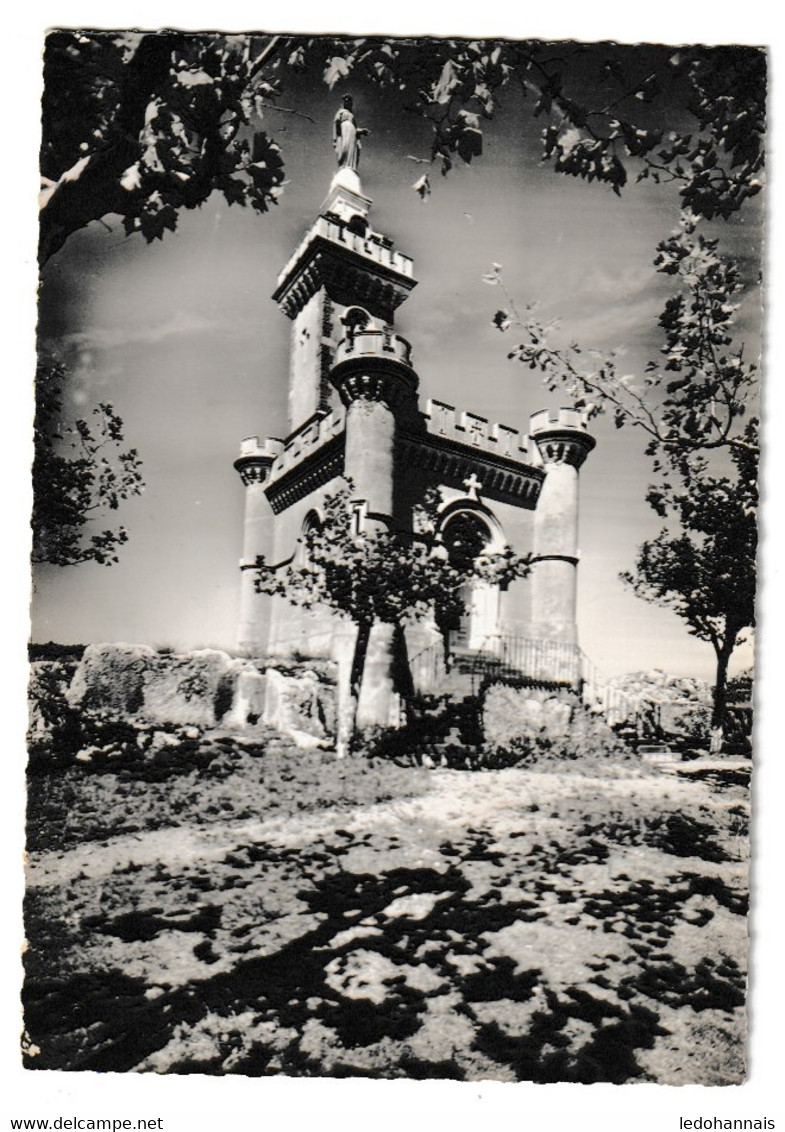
<point x="346" y="136"/>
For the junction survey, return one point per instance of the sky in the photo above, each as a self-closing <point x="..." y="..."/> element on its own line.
<point x="183" y="338"/>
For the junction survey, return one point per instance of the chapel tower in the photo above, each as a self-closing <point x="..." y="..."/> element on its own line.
<point x="353" y="411"/>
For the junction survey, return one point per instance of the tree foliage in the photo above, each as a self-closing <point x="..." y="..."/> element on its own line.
<point x="703" y="565"/>
<point x="144" y="124"/>
<point x="80" y="472"/>
<point x="391" y="576"/>
<point x="700" y="396"/>
<point x="698" y="410"/>
<point x="381" y="575"/>
<point x="697" y="407"/>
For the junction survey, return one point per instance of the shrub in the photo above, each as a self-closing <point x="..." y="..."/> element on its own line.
<point x="438" y="730"/>
<point x="55" y="731"/>
<point x="511" y="726"/>
<point x="739" y="688"/>
<point x="527" y="726"/>
<point x="53" y="651"/>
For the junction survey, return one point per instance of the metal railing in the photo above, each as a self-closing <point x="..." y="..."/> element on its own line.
<point x="538" y="663"/>
<point x="453" y="667"/>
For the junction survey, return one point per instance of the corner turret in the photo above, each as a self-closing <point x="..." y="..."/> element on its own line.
<point x="253" y="464"/>
<point x="563" y="443"/>
<point x="375" y="381"/>
<point x="561" y="436"/>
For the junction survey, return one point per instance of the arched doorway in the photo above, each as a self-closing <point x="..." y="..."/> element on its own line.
<point x="467" y="535"/>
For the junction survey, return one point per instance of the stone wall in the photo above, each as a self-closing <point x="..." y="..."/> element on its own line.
<point x="297" y="632"/>
<point x="206" y="689"/>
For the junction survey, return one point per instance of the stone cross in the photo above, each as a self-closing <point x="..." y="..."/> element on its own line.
<point x="472" y="485"/>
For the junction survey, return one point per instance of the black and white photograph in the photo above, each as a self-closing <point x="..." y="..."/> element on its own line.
<point x="395" y="484"/>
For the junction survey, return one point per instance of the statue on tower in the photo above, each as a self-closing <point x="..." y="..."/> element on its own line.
<point x="346" y="136"/>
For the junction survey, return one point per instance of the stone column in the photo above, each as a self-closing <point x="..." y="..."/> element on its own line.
<point x="515" y="608"/>
<point x="563" y="444"/>
<point x="379" y="702"/>
<point x="370" y="452"/>
<point x="375" y="382"/>
<point x="254" y="469"/>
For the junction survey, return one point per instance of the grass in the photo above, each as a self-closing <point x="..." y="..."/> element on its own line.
<point x="201" y="781"/>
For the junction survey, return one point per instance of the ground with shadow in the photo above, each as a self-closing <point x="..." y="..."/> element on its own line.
<point x="256" y="911"/>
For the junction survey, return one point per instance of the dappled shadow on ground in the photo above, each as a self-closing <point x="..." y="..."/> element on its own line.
<point x="530" y="953"/>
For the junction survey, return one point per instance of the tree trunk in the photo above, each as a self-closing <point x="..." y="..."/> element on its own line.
<point x="369" y="678"/>
<point x="401" y="671"/>
<point x="358" y="658"/>
<point x="379" y="703"/>
<point x="720" y="686"/>
<point x="351" y="647"/>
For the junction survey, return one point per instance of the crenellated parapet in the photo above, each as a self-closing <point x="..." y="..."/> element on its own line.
<point x="374" y="344"/>
<point x="371" y="246"/>
<point x="477" y="432"/>
<point x="561" y="436"/>
<point x="257" y="458"/>
<point x="321" y="429"/>
<point x="354" y="267"/>
<point x="311" y="457"/>
<point x="569" y="418"/>
<point x="457" y="446"/>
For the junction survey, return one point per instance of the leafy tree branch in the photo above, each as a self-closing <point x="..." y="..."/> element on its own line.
<point x="700" y="397"/>
<point x="143" y="128"/>
<point x="80" y="472"/>
<point x="702" y="565"/>
<point x="145" y="124"/>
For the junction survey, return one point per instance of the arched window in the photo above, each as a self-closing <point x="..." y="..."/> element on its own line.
<point x="355" y="319"/>
<point x="466" y="535"/>
<point x="311" y="522"/>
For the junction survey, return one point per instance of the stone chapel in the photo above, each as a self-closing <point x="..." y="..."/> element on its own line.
<point x="354" y="410"/>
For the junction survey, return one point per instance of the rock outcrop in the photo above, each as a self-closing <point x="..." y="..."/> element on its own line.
<point x="205" y="689"/>
<point x="196" y="688"/>
<point x="529" y="723"/>
<point x="248" y="699"/>
<point x="301" y="705"/>
<point x="111" y="677"/>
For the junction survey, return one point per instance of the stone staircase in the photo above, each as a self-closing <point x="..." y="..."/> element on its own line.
<point x="462" y="673"/>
